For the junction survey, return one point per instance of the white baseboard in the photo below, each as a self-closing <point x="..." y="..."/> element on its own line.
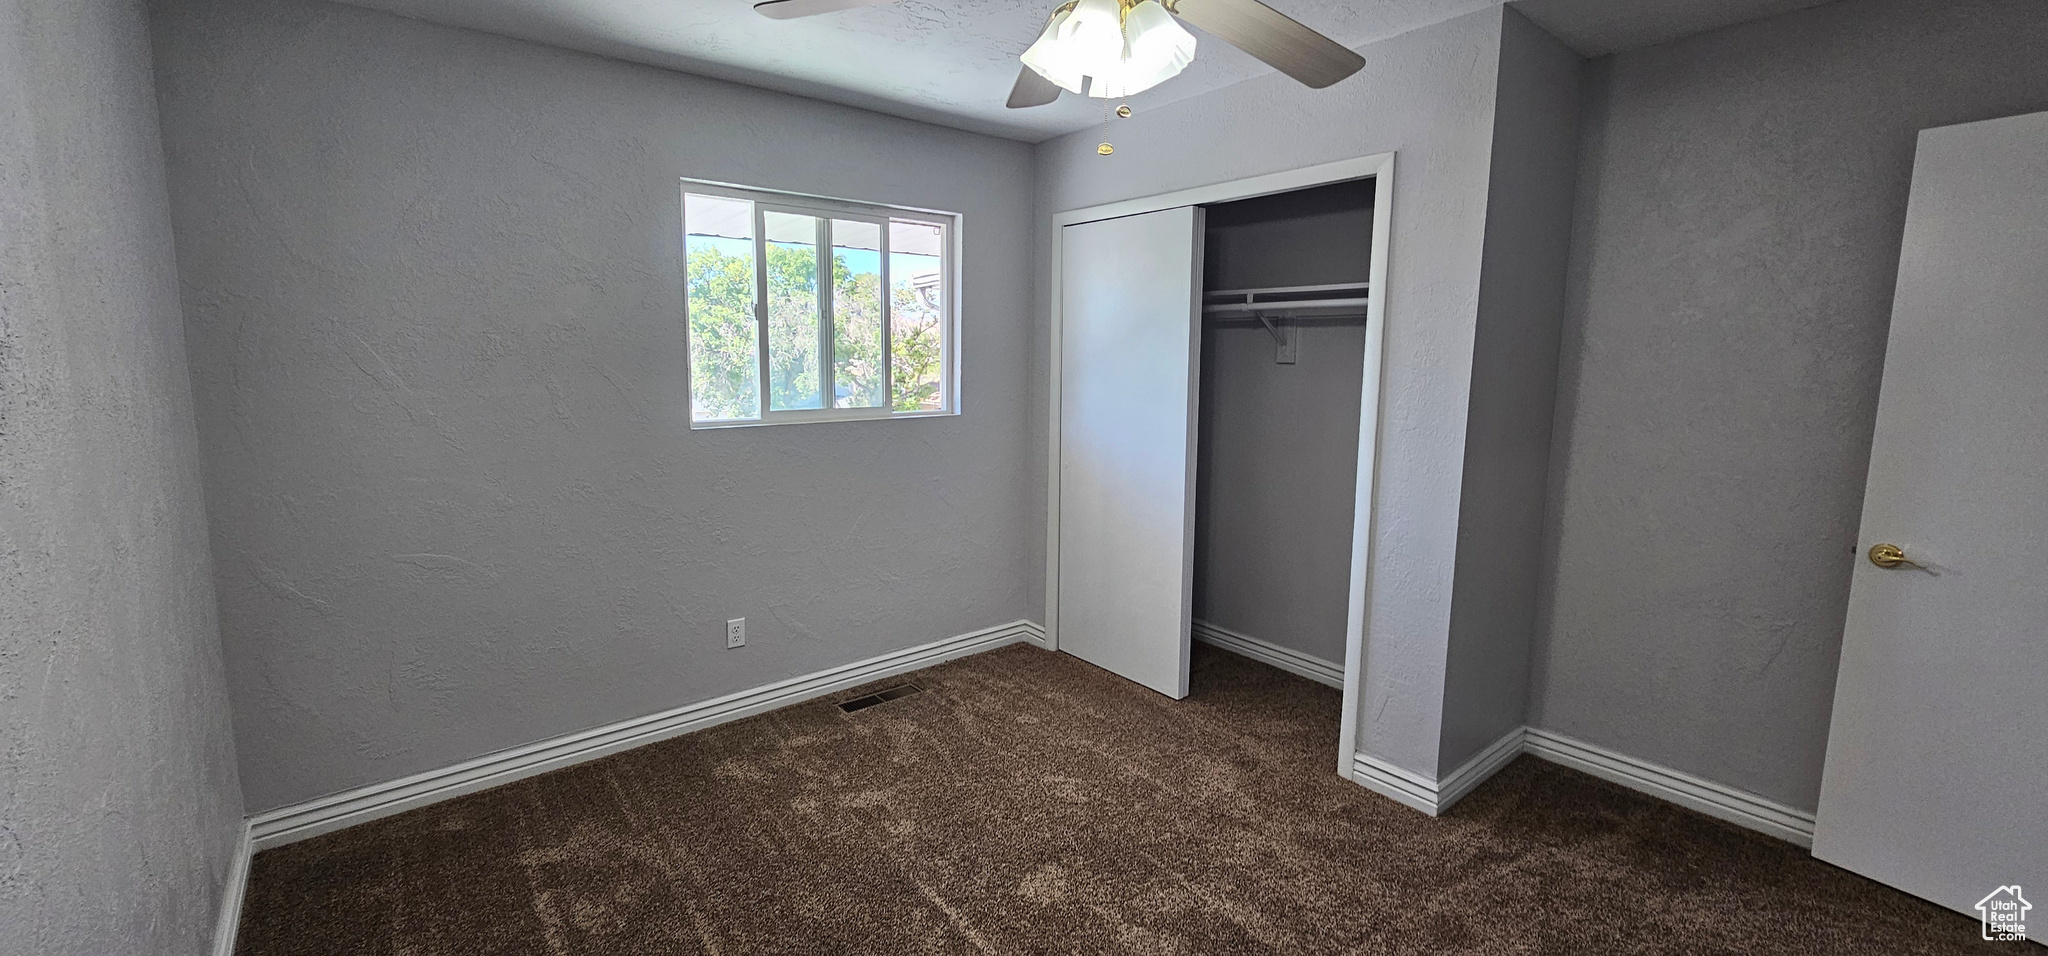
<point x="1480" y="768"/>
<point x="1267" y="652"/>
<point x="350" y="807"/>
<point x="1414" y="790"/>
<point x="1739" y="807"/>
<point x="1433" y="796"/>
<point x="231" y="893"/>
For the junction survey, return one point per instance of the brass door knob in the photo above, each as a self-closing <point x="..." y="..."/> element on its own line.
<point x="1891" y="556"/>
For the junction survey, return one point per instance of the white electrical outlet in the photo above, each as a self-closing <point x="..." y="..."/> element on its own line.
<point x="736" y="632"/>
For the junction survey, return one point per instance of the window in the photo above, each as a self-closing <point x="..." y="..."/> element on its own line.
<point x="803" y="309"/>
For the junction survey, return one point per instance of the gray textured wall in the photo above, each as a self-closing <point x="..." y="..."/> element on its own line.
<point x="119" y="807"/>
<point x="434" y="292"/>
<point x="1277" y="467"/>
<point x="1428" y="95"/>
<point x="1740" y="206"/>
<point x="1306" y="237"/>
<point x="1277" y="464"/>
<point x="1501" y="510"/>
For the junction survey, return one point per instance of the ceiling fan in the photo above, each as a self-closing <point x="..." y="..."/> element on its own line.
<point x="1114" y="48"/>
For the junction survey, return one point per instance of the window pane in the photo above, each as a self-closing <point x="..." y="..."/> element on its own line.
<point x="718" y="253"/>
<point x="793" y="326"/>
<point x="917" y="329"/>
<point x="856" y="314"/>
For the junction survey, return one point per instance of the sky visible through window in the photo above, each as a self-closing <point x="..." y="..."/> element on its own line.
<point x="902" y="265"/>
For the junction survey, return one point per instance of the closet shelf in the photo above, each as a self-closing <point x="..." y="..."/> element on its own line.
<point x="1298" y="301"/>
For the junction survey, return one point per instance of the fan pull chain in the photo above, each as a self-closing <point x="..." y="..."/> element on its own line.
<point x="1123" y="27"/>
<point x="1105" y="149"/>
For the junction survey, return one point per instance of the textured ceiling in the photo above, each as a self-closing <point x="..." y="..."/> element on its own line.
<point x="1600" y="27"/>
<point x="952" y="63"/>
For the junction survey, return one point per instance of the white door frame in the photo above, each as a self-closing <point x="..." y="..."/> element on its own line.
<point x="1380" y="169"/>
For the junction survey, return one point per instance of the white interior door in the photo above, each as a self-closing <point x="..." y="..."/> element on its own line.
<point x="1130" y="321"/>
<point x="1937" y="766"/>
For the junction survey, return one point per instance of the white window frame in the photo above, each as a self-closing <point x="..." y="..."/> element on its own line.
<point x="825" y="210"/>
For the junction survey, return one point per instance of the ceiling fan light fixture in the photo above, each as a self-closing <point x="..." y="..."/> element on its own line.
<point x="1078" y="43"/>
<point x="1156" y="49"/>
<point x="1122" y="50"/>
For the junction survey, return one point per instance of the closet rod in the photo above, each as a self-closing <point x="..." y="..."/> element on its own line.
<point x="1266" y="316"/>
<point x="1277" y="290"/>
<point x="1295" y="309"/>
<point x="1286" y="300"/>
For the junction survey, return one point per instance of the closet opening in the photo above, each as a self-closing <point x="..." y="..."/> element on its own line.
<point x="1285" y="285"/>
<point x="1212" y="431"/>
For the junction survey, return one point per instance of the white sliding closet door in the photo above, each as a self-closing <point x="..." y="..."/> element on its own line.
<point x="1130" y="326"/>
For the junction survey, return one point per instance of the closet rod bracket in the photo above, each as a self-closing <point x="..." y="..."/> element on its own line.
<point x="1283" y="336"/>
<point x="1279" y="338"/>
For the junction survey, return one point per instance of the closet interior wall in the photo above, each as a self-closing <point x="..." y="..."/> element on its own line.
<point x="1277" y="460"/>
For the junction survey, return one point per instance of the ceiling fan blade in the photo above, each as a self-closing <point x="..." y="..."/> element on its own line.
<point x="791" y="9"/>
<point x="1273" y="37"/>
<point x="1032" y="90"/>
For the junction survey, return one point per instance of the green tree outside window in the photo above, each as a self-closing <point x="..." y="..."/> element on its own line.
<point x="725" y="383"/>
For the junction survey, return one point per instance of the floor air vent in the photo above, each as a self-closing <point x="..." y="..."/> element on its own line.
<point x="879" y="697"/>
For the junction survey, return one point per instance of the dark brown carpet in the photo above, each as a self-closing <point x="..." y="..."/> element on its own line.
<point x="1027" y="802"/>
